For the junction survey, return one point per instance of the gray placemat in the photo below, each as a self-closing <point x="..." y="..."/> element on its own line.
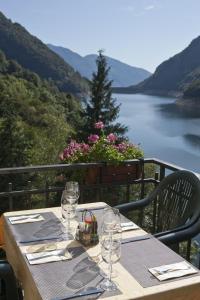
<point x="57" y="280"/>
<point x="50" y="227"/>
<point x="138" y="256"/>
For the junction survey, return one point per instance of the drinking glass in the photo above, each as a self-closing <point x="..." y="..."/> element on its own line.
<point x="69" y="198"/>
<point x="110" y="252"/>
<point x="110" y="232"/>
<point x="72" y="188"/>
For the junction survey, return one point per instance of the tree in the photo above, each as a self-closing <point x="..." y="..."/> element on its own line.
<point x="101" y="106"/>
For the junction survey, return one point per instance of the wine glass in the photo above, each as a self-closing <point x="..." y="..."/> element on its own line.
<point x="110" y="230"/>
<point x="72" y="188"/>
<point x="110" y="252"/>
<point x="69" y="198"/>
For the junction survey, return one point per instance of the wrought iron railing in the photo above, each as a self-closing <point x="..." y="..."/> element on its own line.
<point x="9" y="192"/>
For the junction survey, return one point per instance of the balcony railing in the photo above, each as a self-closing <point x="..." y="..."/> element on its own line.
<point x="34" y="186"/>
<point x="9" y="192"/>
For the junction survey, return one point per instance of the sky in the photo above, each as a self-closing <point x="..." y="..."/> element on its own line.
<point x="142" y="33"/>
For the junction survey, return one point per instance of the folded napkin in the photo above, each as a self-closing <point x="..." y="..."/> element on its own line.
<point x="48" y="256"/>
<point x="173" y="270"/>
<point x="129" y="226"/>
<point x="25" y="219"/>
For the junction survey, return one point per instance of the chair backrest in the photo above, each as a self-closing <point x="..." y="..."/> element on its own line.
<point x="177" y="201"/>
<point x="8" y="286"/>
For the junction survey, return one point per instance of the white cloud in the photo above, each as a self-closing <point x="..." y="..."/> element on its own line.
<point x="128" y="8"/>
<point x="149" y="7"/>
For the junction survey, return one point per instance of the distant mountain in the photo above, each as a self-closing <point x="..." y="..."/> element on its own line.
<point x="121" y="73"/>
<point x="18" y="44"/>
<point x="173" y="76"/>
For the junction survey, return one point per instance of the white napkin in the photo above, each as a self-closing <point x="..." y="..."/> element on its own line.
<point x="173" y="270"/>
<point x="25" y="219"/>
<point x="128" y="226"/>
<point x="48" y="256"/>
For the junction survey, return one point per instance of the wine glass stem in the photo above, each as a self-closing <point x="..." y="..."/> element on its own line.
<point x="110" y="254"/>
<point x="68" y="221"/>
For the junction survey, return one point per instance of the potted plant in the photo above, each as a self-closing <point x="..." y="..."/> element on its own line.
<point x="108" y="149"/>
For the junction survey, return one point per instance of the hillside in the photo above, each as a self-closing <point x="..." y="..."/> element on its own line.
<point x="18" y="44"/>
<point x="122" y="74"/>
<point x="35" y="117"/>
<point x="174" y="75"/>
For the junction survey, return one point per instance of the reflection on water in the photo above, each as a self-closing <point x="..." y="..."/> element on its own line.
<point x="165" y="130"/>
<point x="193" y="140"/>
<point x="172" y="110"/>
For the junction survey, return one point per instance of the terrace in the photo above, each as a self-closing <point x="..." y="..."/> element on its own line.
<point x="45" y="191"/>
<point x="41" y="186"/>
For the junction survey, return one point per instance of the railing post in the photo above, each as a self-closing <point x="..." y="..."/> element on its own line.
<point x="141" y="214"/>
<point x="155" y="205"/>
<point x="10" y="196"/>
<point x="162" y="172"/>
<point x="29" y="195"/>
<point x="46" y="193"/>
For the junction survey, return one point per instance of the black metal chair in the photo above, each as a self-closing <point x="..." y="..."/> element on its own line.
<point x="177" y="203"/>
<point x="9" y="289"/>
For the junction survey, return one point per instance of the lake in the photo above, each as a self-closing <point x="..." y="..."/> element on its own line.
<point x="163" y="129"/>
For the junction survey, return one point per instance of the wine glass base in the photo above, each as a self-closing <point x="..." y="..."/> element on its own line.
<point x="108" y="285"/>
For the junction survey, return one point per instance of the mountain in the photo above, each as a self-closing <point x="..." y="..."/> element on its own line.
<point x="18" y="44"/>
<point x="173" y="76"/>
<point x="121" y="73"/>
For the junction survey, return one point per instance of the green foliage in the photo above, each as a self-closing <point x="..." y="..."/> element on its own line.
<point x="193" y="90"/>
<point x="35" y="118"/>
<point x="101" y="105"/>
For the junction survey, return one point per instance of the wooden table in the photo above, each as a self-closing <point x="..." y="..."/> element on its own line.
<point x="184" y="288"/>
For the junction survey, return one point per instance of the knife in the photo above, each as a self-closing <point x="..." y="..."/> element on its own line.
<point x="39" y="239"/>
<point x="24" y="217"/>
<point x="92" y="208"/>
<point x="136" y="239"/>
<point x="82" y="294"/>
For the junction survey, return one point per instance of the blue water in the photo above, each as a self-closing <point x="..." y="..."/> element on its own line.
<point x="163" y="129"/>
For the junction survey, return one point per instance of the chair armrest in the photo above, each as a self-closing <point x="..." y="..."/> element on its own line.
<point x="180" y="236"/>
<point x="126" y="207"/>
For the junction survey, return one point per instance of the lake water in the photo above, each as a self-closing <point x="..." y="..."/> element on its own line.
<point x="163" y="129"/>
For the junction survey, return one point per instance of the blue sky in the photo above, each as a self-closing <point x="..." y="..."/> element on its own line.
<point x="141" y="33"/>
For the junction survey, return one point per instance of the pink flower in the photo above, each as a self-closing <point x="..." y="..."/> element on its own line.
<point x="93" y="138"/>
<point x="85" y="147"/>
<point x="111" y="138"/>
<point x="99" y="125"/>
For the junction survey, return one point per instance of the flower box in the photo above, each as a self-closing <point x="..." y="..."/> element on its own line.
<point x="121" y="174"/>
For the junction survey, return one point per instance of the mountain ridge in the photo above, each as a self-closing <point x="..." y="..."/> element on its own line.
<point x="173" y="76"/>
<point x="121" y="73"/>
<point x="30" y="52"/>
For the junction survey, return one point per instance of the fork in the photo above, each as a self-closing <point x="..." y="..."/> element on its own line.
<point x="61" y="252"/>
<point x="172" y="270"/>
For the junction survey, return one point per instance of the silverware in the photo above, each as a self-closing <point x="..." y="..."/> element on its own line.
<point x="82" y="294"/>
<point x="40" y="239"/>
<point x="21" y="218"/>
<point x="91" y="208"/>
<point x="161" y="272"/>
<point x="136" y="239"/>
<point x="61" y="252"/>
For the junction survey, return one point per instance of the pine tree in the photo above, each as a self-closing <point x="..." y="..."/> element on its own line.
<point x="101" y="106"/>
